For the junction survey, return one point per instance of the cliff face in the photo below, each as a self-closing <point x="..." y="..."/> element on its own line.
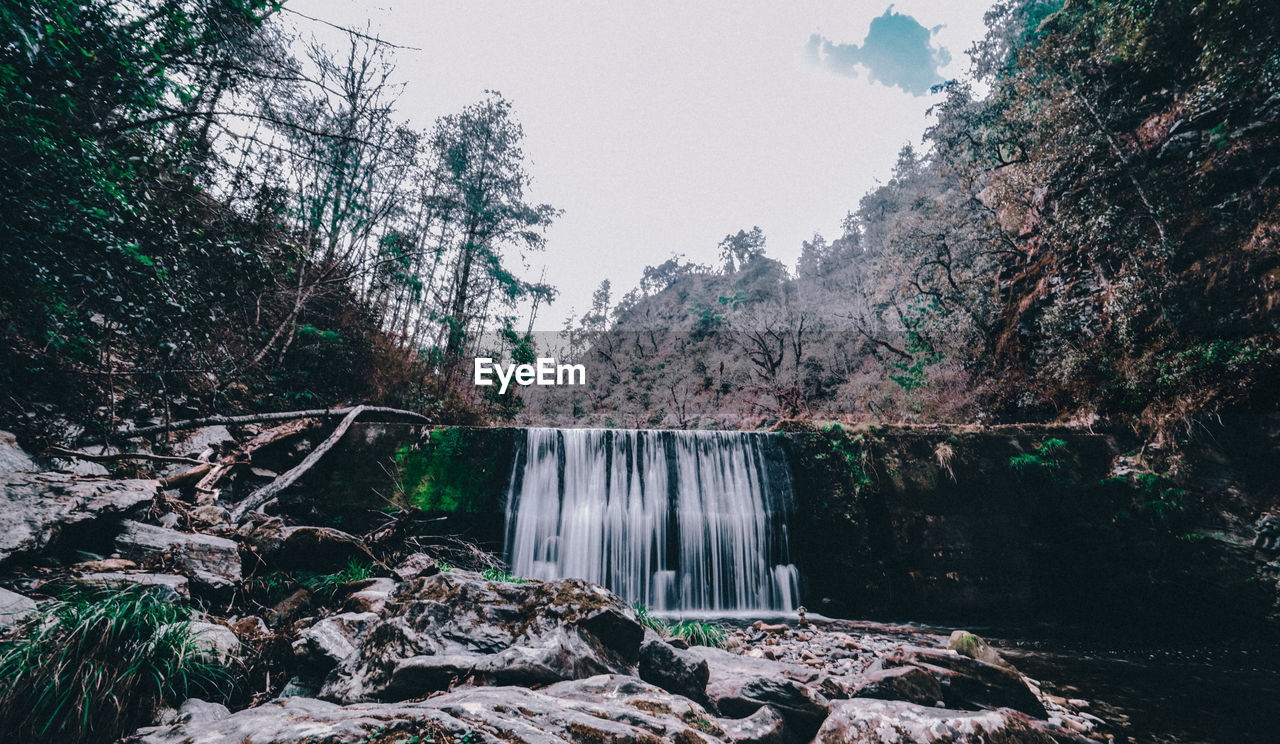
<point x="1030" y="524"/>
<point x="980" y="525"/>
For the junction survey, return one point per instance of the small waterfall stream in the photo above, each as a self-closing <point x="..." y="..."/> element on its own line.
<point x="681" y="521"/>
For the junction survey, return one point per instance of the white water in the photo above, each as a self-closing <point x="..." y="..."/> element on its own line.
<point x="678" y="521"/>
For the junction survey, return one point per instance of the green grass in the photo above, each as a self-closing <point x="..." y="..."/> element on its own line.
<point x="692" y="632"/>
<point x="497" y="574"/>
<point x="328" y="584"/>
<point x="696" y="633"/>
<point x="94" y="666"/>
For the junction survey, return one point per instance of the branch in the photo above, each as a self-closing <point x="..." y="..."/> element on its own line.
<point x="257" y="418"/>
<point x="269" y="491"/>
<point x="122" y="456"/>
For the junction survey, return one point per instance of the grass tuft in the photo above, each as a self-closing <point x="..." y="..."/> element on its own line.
<point x="697" y="633"/>
<point x="95" y="666"/>
<point x="497" y="574"/>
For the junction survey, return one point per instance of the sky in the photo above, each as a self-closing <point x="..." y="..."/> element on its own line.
<point x="661" y="126"/>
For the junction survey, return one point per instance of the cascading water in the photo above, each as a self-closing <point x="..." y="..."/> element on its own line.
<point x="679" y="521"/>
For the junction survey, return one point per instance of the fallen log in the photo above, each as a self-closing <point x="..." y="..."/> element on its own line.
<point x="210" y="473"/>
<point x="269" y="491"/>
<point x="126" y="432"/>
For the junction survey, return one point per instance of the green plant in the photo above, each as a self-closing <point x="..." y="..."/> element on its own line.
<point x="1045" y="458"/>
<point x="497" y="574"/>
<point x="328" y="584"/>
<point x="443" y="567"/>
<point x="648" y="620"/>
<point x="697" y="633"/>
<point x="92" y="667"/>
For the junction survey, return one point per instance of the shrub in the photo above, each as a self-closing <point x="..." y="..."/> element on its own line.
<point x="328" y="584"/>
<point x="1045" y="458"/>
<point x="92" y="667"/>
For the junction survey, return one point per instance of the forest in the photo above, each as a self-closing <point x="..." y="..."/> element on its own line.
<point x="251" y="493"/>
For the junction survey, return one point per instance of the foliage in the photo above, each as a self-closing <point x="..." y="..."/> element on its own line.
<point x="1045" y="459"/>
<point x="329" y="584"/>
<point x="651" y="621"/>
<point x="92" y="667"/>
<point x="498" y="574"/>
<point x="697" y="633"/>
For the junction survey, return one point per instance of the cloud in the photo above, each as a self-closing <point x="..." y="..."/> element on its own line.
<point x="898" y="51"/>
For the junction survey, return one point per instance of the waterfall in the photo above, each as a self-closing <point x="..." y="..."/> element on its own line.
<point x="681" y="521"/>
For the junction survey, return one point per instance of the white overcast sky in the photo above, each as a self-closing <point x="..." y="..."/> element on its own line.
<point x="661" y="126"/>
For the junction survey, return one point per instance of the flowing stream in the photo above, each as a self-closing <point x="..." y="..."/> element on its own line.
<point x="680" y="521"/>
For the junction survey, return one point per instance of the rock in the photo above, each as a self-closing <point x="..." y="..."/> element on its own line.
<point x="456" y="624"/>
<point x="216" y="642"/>
<point x="208" y="560"/>
<point x="739" y="686"/>
<point x="967" y="644"/>
<point x="251" y="628"/>
<point x="81" y="468"/>
<point x="207" y="440"/>
<point x="894" y="722"/>
<point x="40" y="507"/>
<point x="370" y="595"/>
<point x="969" y="683"/>
<point x="13" y="608"/>
<point x="333" y="639"/>
<point x="416" y="566"/>
<point x="674" y="671"/>
<point x="210" y="515"/>
<point x="170" y="587"/>
<point x="12" y="457"/>
<point x="318" y="549"/>
<point x="194" y="711"/>
<point x="607" y="708"/>
<point x="765" y="726"/>
<point x="104" y="565"/>
<point x="296" y="688"/>
<point x="909" y="684"/>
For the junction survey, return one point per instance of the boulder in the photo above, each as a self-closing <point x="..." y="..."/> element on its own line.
<point x="216" y="642"/>
<point x="40" y="507"/>
<point x="332" y="640"/>
<point x="370" y="595"/>
<point x="213" y="562"/>
<point x="13" y="608"/>
<point x="765" y="726"/>
<point x="969" y="683"/>
<point x="456" y="625"/>
<point x="968" y="644"/>
<point x="895" y="722"/>
<point x="416" y="566"/>
<point x="207" y="441"/>
<point x="607" y="708"/>
<point x="210" y="515"/>
<point x="194" y="711"/>
<point x="910" y="684"/>
<point x="673" y="670"/>
<point x="170" y="587"/>
<point x="12" y="457"/>
<point x="739" y="686"/>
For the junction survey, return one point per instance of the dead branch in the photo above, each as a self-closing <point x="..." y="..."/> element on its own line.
<point x="269" y="491"/>
<point x="121" y="456"/>
<point x="258" y="418"/>
<point x="210" y="473"/>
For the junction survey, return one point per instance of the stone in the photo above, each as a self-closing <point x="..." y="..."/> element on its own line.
<point x="738" y="687"/>
<point x="81" y="468"/>
<point x="14" y="608"/>
<point x="194" y="711"/>
<point x="454" y="625"/>
<point x="171" y="587"/>
<point x="213" y="562"/>
<point x="868" y="721"/>
<point x="967" y="644"/>
<point x="41" y="507"/>
<point x="12" y="457"/>
<point x="415" y="566"/>
<point x="370" y="595"/>
<point x="605" y="708"/>
<point x="251" y="628"/>
<point x="210" y="515"/>
<point x="969" y="683"/>
<point x="910" y="684"/>
<point x="207" y="440"/>
<point x="332" y="640"/>
<point x="765" y="726"/>
<point x="216" y="642"/>
<point x="673" y="670"/>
